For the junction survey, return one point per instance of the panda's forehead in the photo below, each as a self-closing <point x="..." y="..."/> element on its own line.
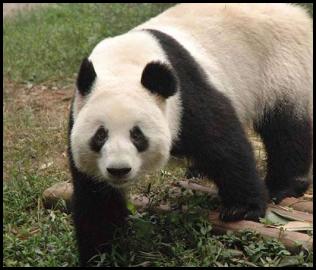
<point x="120" y="118"/>
<point x="116" y="112"/>
<point x="110" y="85"/>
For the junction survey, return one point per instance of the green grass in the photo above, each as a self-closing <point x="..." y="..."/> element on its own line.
<point x="32" y="235"/>
<point x="157" y="240"/>
<point x="45" y="47"/>
<point x="49" y="43"/>
<point x="309" y="7"/>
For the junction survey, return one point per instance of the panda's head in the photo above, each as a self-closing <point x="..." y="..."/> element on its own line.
<point x="118" y="133"/>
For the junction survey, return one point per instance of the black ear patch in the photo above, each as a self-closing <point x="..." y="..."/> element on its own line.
<point x="86" y="77"/>
<point x="159" y="79"/>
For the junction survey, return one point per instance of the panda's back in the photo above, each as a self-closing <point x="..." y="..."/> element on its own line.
<point x="253" y="53"/>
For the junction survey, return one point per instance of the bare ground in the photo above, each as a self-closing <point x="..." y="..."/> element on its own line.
<point x="35" y="127"/>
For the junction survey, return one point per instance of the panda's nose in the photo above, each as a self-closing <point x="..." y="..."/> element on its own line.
<point x="118" y="171"/>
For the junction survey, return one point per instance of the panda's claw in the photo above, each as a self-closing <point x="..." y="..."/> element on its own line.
<point x="235" y="213"/>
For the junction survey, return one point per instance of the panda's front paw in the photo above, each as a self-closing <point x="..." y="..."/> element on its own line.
<point x="296" y="188"/>
<point x="235" y="213"/>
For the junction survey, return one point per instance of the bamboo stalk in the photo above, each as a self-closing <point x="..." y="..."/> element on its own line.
<point x="193" y="186"/>
<point x="291" y="214"/>
<point x="298" y="204"/>
<point x="61" y="190"/>
<point x="293" y="241"/>
<point x="295" y="203"/>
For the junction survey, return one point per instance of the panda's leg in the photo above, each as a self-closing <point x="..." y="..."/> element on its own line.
<point x="98" y="210"/>
<point x="227" y="158"/>
<point x="192" y="170"/>
<point x="288" y="142"/>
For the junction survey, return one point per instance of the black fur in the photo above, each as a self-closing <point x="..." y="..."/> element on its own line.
<point x="288" y="142"/>
<point x="97" y="210"/>
<point x="86" y="77"/>
<point x="193" y="172"/>
<point x="213" y="137"/>
<point x="139" y="139"/>
<point x="159" y="79"/>
<point x="99" y="139"/>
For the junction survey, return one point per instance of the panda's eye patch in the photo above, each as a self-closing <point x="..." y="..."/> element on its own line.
<point x="139" y="139"/>
<point x="98" y="139"/>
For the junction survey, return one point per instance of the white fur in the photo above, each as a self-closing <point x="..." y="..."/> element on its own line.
<point x="119" y="113"/>
<point x="263" y="51"/>
<point x="253" y="53"/>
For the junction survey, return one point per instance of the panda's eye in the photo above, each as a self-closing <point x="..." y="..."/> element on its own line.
<point x="99" y="138"/>
<point x="136" y="134"/>
<point x="139" y="139"/>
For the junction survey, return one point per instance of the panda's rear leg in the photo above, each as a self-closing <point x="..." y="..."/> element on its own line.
<point x="288" y="142"/>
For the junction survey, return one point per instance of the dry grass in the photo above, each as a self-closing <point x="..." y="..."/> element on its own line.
<point x="35" y="120"/>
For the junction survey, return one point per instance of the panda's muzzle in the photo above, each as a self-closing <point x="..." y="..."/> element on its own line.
<point x="118" y="172"/>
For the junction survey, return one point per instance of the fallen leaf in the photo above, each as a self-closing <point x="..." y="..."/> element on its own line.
<point x="274" y="218"/>
<point x="297" y="226"/>
<point x="286" y="215"/>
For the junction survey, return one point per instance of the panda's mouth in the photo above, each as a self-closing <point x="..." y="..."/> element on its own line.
<point x="119" y="182"/>
<point x="119" y="176"/>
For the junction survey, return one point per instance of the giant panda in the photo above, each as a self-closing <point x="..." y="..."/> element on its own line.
<point x="187" y="82"/>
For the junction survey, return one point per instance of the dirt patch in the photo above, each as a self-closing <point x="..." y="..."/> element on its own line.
<point x="49" y="99"/>
<point x="35" y="128"/>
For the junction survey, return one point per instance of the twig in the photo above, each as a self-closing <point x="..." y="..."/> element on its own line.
<point x="291" y="240"/>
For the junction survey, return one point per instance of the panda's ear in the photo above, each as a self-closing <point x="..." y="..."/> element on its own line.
<point x="86" y="77"/>
<point x="159" y="79"/>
